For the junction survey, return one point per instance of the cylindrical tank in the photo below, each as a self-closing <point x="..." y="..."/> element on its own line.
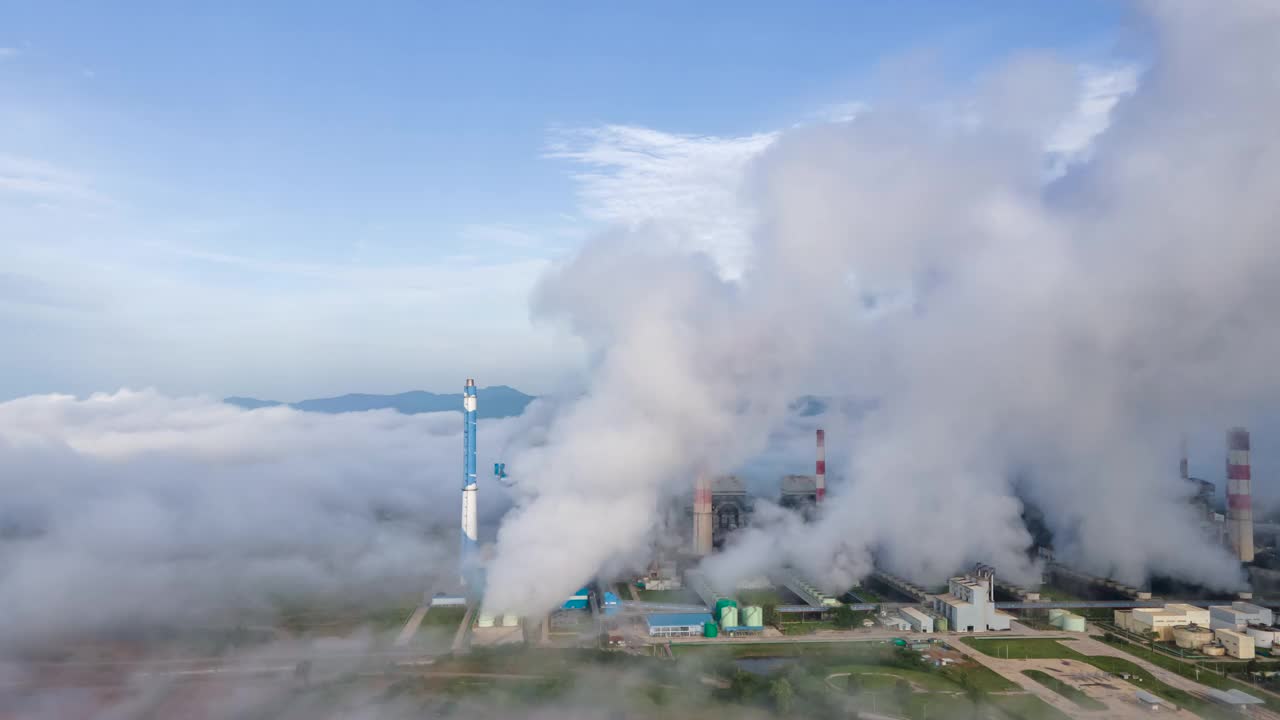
<point x="723" y="603"/>
<point x="1213" y="650"/>
<point x="710" y="630"/>
<point x="1192" y="637"/>
<point x="940" y="624"/>
<point x="1055" y="614"/>
<point x="510" y="621"/>
<point x="484" y="621"/>
<point x="728" y="616"/>
<point x="753" y="616"/>
<point x="1072" y="623"/>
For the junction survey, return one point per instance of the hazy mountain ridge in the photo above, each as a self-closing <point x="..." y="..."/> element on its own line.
<point x="498" y="401"/>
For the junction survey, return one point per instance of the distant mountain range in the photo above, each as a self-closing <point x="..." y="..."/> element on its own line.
<point x="498" y="401"/>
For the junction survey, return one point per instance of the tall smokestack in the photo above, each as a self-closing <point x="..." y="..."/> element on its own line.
<point x="702" y="515"/>
<point x="820" y="469"/>
<point x="470" y="526"/>
<point x="1239" y="500"/>
<point x="1183" y="471"/>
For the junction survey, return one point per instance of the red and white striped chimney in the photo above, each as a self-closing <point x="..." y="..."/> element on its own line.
<point x="1239" y="500"/>
<point x="820" y="468"/>
<point x="702" y="515"/>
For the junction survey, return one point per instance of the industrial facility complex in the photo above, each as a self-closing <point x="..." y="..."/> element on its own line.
<point x="672" y="601"/>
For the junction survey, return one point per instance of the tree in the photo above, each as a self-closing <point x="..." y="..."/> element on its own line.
<point x="782" y="695"/>
<point x="844" y="618"/>
<point x="770" y="613"/>
<point x="853" y="685"/>
<point x="902" y="691"/>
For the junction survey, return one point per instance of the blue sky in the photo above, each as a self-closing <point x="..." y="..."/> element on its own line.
<point x="297" y="199"/>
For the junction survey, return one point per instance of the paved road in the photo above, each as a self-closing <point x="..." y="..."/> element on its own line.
<point x="460" y="644"/>
<point x="1120" y="703"/>
<point x="411" y="627"/>
<point x="1090" y="646"/>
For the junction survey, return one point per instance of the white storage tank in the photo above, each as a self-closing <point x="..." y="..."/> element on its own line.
<point x="728" y="616"/>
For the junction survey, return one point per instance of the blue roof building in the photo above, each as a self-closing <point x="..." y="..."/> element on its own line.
<point x="676" y="624"/>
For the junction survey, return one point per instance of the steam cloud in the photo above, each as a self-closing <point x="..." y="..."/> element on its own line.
<point x="1049" y="335"/>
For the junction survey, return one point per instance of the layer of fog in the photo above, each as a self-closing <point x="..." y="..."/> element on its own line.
<point x="1060" y="336"/>
<point x="138" y="509"/>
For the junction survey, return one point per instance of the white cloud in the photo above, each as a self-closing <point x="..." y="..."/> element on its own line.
<point x="686" y="186"/>
<point x="32" y="179"/>
<point x="1102" y="89"/>
<point x="8" y="52"/>
<point x="688" y="189"/>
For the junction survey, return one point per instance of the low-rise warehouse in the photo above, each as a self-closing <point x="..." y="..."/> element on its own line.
<point x="677" y="624"/>
<point x="1162" y="621"/>
<point x="1238" y="644"/>
<point x="1238" y="616"/>
<point x="918" y="621"/>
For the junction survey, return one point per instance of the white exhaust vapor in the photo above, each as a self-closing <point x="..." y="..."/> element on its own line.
<point x="1061" y="334"/>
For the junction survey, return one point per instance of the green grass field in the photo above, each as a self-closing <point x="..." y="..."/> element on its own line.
<point x="450" y="616"/>
<point x="1020" y="648"/>
<point x="1026" y="707"/>
<point x="1066" y="690"/>
<point x="668" y="596"/>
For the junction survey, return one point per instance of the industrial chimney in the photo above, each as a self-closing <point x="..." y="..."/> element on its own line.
<point x="1239" y="500"/>
<point x="470" y="526"/>
<point x="702" y="515"/>
<point x="820" y="469"/>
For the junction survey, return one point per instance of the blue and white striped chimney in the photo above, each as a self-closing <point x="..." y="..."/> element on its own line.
<point x="470" y="525"/>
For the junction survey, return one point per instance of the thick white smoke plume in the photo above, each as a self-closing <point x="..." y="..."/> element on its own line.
<point x="137" y="509"/>
<point x="1053" y="335"/>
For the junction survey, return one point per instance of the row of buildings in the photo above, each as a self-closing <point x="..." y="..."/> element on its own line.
<point x="1235" y="630"/>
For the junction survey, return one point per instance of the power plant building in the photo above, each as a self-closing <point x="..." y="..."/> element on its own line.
<point x="721" y="505"/>
<point x="677" y="624"/>
<point x="1238" y="616"/>
<point x="1161" y="621"/>
<point x="1238" y="645"/>
<point x="918" y="621"/>
<point x="970" y="603"/>
<point x="799" y="492"/>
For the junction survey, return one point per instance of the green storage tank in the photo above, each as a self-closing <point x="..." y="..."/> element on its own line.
<point x="728" y="616"/>
<point x="753" y="616"/>
<point x="723" y="603"/>
<point x="710" y="630"/>
<point x="899" y="642"/>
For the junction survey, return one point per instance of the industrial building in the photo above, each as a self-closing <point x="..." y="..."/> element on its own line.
<point x="1237" y="644"/>
<point x="804" y="493"/>
<point x="721" y="505"/>
<point x="677" y="624"/>
<point x="1161" y="621"/>
<point x="799" y="493"/>
<point x="918" y="621"/>
<point x="1238" y="616"/>
<point x="970" y="602"/>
